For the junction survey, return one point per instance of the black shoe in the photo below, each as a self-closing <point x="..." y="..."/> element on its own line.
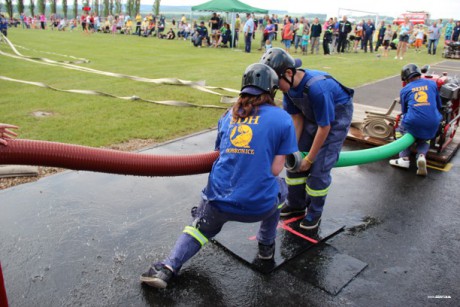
<point x="288" y="211"/>
<point x="266" y="252"/>
<point x="157" y="276"/>
<point x="310" y="223"/>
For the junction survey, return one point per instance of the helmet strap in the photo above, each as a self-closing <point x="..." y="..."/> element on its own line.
<point x="290" y="82"/>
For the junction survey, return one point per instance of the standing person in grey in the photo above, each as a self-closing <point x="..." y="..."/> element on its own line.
<point x="248" y="31"/>
<point x="315" y="32"/>
<point x="434" y="33"/>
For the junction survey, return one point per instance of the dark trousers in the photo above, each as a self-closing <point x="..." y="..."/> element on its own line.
<point x="326" y="43"/>
<point x="366" y="40"/>
<point x="342" y="42"/>
<point x="247" y="41"/>
<point x="379" y="43"/>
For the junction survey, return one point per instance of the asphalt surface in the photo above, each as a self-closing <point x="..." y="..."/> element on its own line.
<point x="83" y="239"/>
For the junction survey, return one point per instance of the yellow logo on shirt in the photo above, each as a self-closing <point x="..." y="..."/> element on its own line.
<point x="422" y="99"/>
<point x="241" y="136"/>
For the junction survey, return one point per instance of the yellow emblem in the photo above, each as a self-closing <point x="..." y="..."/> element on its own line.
<point x="241" y="136"/>
<point x="421" y="97"/>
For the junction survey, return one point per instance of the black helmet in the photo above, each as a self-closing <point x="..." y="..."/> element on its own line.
<point x="410" y="71"/>
<point x="259" y="78"/>
<point x="279" y="60"/>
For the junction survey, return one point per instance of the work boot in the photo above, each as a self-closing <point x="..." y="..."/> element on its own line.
<point x="266" y="252"/>
<point x="157" y="276"/>
<point x="289" y="211"/>
<point x="421" y="165"/>
<point x="401" y="162"/>
<point x="310" y="223"/>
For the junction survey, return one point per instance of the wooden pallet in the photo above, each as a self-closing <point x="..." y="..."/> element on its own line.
<point x="355" y="134"/>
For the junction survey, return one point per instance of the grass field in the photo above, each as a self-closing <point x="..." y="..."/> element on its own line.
<point x="101" y="121"/>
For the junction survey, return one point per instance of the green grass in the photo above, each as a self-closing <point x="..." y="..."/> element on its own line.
<point x="101" y="121"/>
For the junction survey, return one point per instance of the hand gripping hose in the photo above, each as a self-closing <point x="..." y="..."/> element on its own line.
<point x="357" y="157"/>
<point x="30" y="152"/>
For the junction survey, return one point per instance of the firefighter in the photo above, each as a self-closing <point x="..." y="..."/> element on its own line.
<point x="421" y="115"/>
<point x="253" y="139"/>
<point x="321" y="109"/>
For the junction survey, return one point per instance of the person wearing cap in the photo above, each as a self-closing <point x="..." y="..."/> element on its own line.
<point x="421" y="115"/>
<point x="322" y="109"/>
<point x="253" y="138"/>
<point x="201" y="33"/>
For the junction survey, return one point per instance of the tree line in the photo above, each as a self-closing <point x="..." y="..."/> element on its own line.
<point x="106" y="7"/>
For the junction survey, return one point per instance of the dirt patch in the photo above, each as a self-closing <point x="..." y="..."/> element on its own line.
<point x="131" y="145"/>
<point x="368" y="222"/>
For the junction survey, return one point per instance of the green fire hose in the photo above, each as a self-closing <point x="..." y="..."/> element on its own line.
<point x="357" y="157"/>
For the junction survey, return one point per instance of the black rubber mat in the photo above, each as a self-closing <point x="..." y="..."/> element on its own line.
<point x="291" y="241"/>
<point x="325" y="267"/>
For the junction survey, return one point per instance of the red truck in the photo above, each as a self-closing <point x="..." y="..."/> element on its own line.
<point x="415" y="18"/>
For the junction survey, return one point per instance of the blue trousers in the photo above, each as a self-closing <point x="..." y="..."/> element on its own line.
<point x="422" y="146"/>
<point x="310" y="189"/>
<point x="247" y="41"/>
<point x="207" y="222"/>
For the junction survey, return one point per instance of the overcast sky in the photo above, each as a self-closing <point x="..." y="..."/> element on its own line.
<point x="437" y="8"/>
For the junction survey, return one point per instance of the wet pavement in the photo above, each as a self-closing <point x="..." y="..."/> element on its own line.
<point x="83" y="238"/>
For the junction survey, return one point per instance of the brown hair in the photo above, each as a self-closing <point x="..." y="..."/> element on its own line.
<point x="246" y="104"/>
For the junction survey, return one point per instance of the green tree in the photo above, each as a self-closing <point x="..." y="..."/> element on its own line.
<point x="106" y="8"/>
<point x="20" y="6"/>
<point x="137" y="6"/>
<point x="9" y="7"/>
<point x="156" y="7"/>
<point x="64" y="8"/>
<point x="53" y="6"/>
<point x="32" y="8"/>
<point x="95" y="6"/>
<point x="41" y="6"/>
<point x="130" y="7"/>
<point x="118" y="7"/>
<point x="75" y="8"/>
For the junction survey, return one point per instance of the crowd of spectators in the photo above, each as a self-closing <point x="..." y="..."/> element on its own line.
<point x="334" y="36"/>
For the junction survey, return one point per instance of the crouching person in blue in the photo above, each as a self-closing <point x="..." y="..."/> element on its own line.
<point x="322" y="109"/>
<point x="253" y="139"/>
<point x="421" y="116"/>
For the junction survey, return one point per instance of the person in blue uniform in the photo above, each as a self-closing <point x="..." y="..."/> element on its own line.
<point x="253" y="139"/>
<point x="421" y="115"/>
<point x="321" y="109"/>
<point x="3" y="25"/>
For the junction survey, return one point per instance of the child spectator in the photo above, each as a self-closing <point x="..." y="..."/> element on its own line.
<point x="387" y="39"/>
<point x="305" y="40"/>
<point x="268" y="45"/>
<point x="421" y="106"/>
<point x="419" y="33"/>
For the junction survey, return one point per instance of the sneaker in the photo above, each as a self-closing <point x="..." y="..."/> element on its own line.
<point x="288" y="211"/>
<point x="310" y="223"/>
<point x="401" y="162"/>
<point x="400" y="57"/>
<point x="421" y="165"/>
<point x="396" y="57"/>
<point x="157" y="276"/>
<point x="266" y="252"/>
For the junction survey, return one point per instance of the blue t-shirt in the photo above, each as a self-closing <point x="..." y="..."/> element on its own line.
<point x="241" y="180"/>
<point x="323" y="96"/>
<point x="420" y="105"/>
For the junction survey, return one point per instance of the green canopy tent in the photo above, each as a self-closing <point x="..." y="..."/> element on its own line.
<point x="227" y="6"/>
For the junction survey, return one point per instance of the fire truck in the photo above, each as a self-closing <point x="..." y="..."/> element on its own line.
<point x="415" y="18"/>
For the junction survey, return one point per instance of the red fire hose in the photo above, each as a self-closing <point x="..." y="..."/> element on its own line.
<point x="75" y="157"/>
<point x="3" y="298"/>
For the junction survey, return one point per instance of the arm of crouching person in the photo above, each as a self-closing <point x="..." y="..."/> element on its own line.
<point x="6" y="133"/>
